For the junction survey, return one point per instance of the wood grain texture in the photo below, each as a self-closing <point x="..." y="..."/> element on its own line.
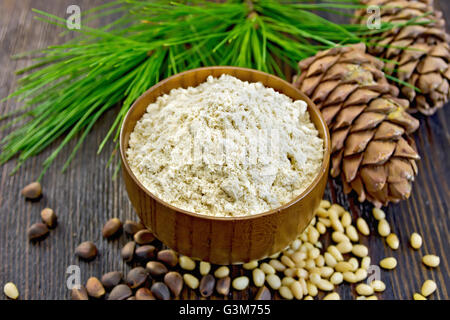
<point x="85" y="196"/>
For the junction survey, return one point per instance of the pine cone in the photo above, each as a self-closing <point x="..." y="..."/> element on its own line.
<point x="369" y="126"/>
<point x="424" y="60"/>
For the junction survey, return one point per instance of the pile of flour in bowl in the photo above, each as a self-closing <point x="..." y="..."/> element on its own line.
<point x="225" y="148"/>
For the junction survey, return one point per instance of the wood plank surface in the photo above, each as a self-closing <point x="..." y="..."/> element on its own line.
<point x="86" y="196"/>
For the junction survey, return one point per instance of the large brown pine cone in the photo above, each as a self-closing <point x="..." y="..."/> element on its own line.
<point x="420" y="54"/>
<point x="368" y="123"/>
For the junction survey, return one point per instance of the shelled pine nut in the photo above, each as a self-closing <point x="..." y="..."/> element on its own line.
<point x="290" y="272"/>
<point x="337" y="237"/>
<point x="273" y="281"/>
<point x="258" y="277"/>
<point x="365" y="262"/>
<point x="360" y="274"/>
<point x="388" y="263"/>
<point x="383" y="228"/>
<point x="378" y="285"/>
<point x="250" y="265"/>
<point x="364" y="289"/>
<point x="343" y="266"/>
<point x="378" y="214"/>
<point x="321" y="227"/>
<point x="354" y="262"/>
<point x="418" y="296"/>
<point x="346" y="219"/>
<point x="336" y="278"/>
<point x="428" y="287"/>
<point x="287" y="281"/>
<point x="332" y="296"/>
<point x="288" y="262"/>
<point x="392" y="241"/>
<point x="362" y="226"/>
<point x="335" y="253"/>
<point x="312" y="289"/>
<point x="415" y="241"/>
<point x="351" y="233"/>
<point x="431" y="260"/>
<point x="191" y="281"/>
<point x="267" y="268"/>
<point x="295" y="245"/>
<point x="330" y="260"/>
<point x="240" y="283"/>
<point x="222" y="272"/>
<point x="360" y="250"/>
<point x="313" y="253"/>
<point x="325" y="204"/>
<point x="186" y="263"/>
<point x="349" y="277"/>
<point x="205" y="267"/>
<point x="297" y="290"/>
<point x="325" y="285"/>
<point x="286" y="293"/>
<point x="320" y="261"/>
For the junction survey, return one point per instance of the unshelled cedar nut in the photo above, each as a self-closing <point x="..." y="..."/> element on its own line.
<point x="37" y="231"/>
<point x="120" y="292"/>
<point x="111" y="228"/>
<point x="156" y="269"/>
<point x="136" y="277"/>
<point x="79" y="293"/>
<point x="168" y="256"/>
<point x="86" y="250"/>
<point x="131" y="227"/>
<point x="95" y="288"/>
<point x="143" y="237"/>
<point x="48" y="216"/>
<point x="207" y="284"/>
<point x="223" y="286"/>
<point x="174" y="281"/>
<point x="160" y="291"/>
<point x="144" y="294"/>
<point x="111" y="279"/>
<point x="263" y="294"/>
<point x="145" y="252"/>
<point x="32" y="191"/>
<point x="127" y="252"/>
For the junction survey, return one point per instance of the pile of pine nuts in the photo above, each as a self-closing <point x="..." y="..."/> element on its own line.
<point x="302" y="270"/>
<point x="307" y="267"/>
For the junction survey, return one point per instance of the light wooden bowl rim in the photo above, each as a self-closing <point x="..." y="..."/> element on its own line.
<point x="311" y="108"/>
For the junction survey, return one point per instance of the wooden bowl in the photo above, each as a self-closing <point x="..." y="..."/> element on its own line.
<point x="223" y="240"/>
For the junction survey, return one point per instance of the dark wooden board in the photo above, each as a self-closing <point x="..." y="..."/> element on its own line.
<point x="86" y="196"/>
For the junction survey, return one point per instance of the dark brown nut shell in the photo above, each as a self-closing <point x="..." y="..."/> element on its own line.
<point x="120" y="292"/>
<point x="111" y="228"/>
<point x="37" y="231"/>
<point x="144" y="237"/>
<point x="160" y="291"/>
<point x="174" y="282"/>
<point x="86" y="250"/>
<point x="136" y="277"/>
<point x="111" y="279"/>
